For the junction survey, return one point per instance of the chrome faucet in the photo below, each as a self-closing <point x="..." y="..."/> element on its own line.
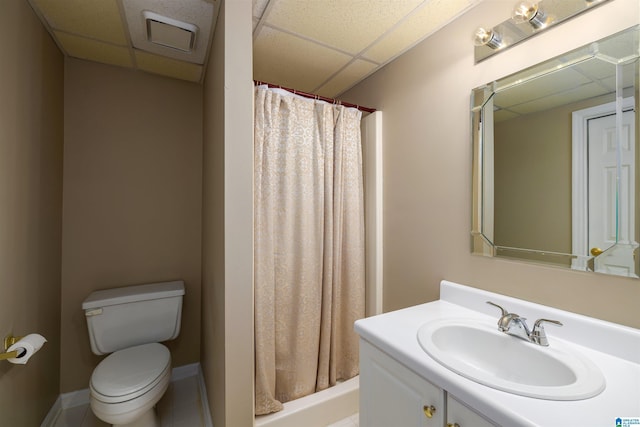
<point x="513" y="324"/>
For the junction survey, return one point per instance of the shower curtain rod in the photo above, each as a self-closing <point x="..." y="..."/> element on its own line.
<point x="313" y="96"/>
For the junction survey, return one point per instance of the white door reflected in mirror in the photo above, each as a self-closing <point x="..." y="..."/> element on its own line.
<point x="602" y="204"/>
<point x="612" y="226"/>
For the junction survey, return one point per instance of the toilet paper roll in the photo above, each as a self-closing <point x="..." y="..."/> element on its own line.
<point x="26" y="348"/>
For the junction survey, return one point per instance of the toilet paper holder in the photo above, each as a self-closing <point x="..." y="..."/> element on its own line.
<point x="8" y="342"/>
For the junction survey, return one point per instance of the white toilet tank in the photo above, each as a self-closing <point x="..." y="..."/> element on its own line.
<point x="132" y="315"/>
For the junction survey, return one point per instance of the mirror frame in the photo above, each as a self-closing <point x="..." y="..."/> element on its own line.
<point x="482" y="163"/>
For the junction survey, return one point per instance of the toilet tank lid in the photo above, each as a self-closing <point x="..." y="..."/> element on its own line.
<point x="135" y="293"/>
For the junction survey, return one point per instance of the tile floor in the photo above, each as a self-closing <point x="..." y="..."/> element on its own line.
<point x="179" y="407"/>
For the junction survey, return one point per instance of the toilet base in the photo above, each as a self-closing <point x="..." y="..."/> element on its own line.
<point x="135" y="408"/>
<point x="148" y="419"/>
<point x="139" y="412"/>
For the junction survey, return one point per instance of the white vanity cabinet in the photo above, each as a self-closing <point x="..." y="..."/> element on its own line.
<point x="392" y="395"/>
<point x="460" y="415"/>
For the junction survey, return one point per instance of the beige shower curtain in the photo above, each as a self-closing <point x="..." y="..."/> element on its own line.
<point x="309" y="246"/>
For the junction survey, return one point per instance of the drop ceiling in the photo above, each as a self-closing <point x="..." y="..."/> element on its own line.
<point x="114" y="32"/>
<point x="327" y="46"/>
<point x="318" y="46"/>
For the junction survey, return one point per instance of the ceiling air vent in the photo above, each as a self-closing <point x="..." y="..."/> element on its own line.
<point x="169" y="32"/>
<point x="183" y="37"/>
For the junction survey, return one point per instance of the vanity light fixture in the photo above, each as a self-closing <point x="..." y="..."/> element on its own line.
<point x="540" y="15"/>
<point x="530" y="12"/>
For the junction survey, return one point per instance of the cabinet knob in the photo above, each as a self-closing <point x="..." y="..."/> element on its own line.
<point x="429" y="410"/>
<point x="453" y="425"/>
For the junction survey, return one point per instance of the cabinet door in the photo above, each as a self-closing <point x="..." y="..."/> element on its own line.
<point x="459" y="415"/>
<point x="392" y="395"/>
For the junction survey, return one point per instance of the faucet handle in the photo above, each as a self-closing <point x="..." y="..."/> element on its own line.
<point x="504" y="312"/>
<point x="538" y="335"/>
<point x="538" y="323"/>
<point x="505" y="317"/>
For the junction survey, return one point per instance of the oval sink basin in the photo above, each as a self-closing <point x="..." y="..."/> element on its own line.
<point x="478" y="351"/>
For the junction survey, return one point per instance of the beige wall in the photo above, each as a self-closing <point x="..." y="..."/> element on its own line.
<point x="533" y="178"/>
<point x="31" y="138"/>
<point x="227" y="269"/>
<point x="424" y="96"/>
<point x="533" y="182"/>
<point x="132" y="198"/>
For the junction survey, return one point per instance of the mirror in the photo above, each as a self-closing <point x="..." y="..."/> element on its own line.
<point x="556" y="157"/>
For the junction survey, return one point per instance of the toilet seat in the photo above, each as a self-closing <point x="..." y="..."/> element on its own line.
<point x="130" y="373"/>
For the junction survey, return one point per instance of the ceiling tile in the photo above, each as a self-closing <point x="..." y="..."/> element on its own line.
<point x="590" y="90"/>
<point x="258" y="7"/>
<point x="432" y="16"/>
<point x="168" y="67"/>
<point x="347" y="25"/>
<point x="342" y="81"/>
<point x="97" y="19"/>
<point x="289" y="61"/>
<point x="596" y="68"/>
<point x="502" y="115"/>
<point x="80" y="47"/>
<point x="544" y="85"/>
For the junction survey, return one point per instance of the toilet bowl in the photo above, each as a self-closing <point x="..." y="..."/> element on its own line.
<point x="126" y="385"/>
<point x="129" y="323"/>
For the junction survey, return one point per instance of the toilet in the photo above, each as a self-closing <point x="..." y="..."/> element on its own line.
<point x="128" y="323"/>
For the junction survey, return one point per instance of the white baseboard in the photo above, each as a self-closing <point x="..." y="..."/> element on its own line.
<point x="81" y="397"/>
<point x="65" y="401"/>
<point x="185" y="371"/>
<point x="75" y="398"/>
<point x="53" y="413"/>
<point x="204" y="399"/>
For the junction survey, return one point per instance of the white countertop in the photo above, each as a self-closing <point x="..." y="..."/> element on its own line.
<point x="615" y="349"/>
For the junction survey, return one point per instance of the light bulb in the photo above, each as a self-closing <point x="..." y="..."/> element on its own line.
<point x="488" y="38"/>
<point x="530" y="12"/>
